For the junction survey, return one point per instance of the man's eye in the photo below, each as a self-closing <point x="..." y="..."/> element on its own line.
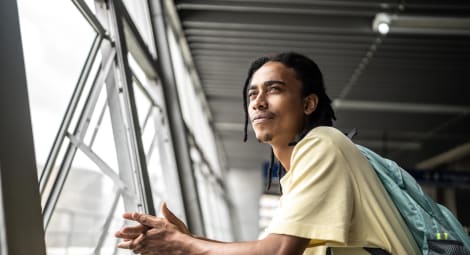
<point x="274" y="88"/>
<point x="251" y="94"/>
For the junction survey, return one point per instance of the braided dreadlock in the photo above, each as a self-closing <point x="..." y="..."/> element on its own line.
<point x="312" y="83"/>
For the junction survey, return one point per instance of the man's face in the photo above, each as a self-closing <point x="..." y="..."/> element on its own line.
<point x="275" y="108"/>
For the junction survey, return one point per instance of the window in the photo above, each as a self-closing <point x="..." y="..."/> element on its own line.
<point x="100" y="125"/>
<point x="203" y="151"/>
<point x="87" y="124"/>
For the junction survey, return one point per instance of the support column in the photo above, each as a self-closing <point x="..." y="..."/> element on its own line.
<point x="21" y="206"/>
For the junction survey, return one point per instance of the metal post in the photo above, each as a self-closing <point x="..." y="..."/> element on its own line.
<point x="128" y="141"/>
<point x="19" y="182"/>
<point x="131" y="107"/>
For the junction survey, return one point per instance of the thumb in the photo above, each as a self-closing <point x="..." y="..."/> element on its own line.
<point x="173" y="219"/>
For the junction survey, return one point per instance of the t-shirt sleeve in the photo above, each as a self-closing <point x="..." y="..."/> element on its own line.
<point x="316" y="203"/>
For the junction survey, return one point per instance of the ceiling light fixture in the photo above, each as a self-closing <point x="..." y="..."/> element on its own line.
<point x="381" y="23"/>
<point x="384" y="23"/>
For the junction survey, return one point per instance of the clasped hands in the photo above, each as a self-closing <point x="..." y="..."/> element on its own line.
<point x="153" y="235"/>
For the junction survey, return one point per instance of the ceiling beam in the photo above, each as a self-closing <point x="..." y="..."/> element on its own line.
<point x="277" y="8"/>
<point x="332" y="3"/>
<point x="450" y="156"/>
<point x="222" y="33"/>
<point x="292" y="42"/>
<point x="341" y="104"/>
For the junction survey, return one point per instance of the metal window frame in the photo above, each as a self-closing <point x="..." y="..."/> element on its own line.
<point x="117" y="11"/>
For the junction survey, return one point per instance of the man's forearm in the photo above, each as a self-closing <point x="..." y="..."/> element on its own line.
<point x="203" y="246"/>
<point x="273" y="244"/>
<point x="207" y="239"/>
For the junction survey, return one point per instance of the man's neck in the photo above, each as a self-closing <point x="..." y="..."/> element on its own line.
<point x="283" y="153"/>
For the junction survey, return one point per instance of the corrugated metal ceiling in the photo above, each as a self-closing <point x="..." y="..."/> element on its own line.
<point x="408" y="94"/>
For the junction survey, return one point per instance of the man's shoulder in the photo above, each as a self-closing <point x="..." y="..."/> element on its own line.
<point x="327" y="139"/>
<point x="323" y="138"/>
<point x="326" y="133"/>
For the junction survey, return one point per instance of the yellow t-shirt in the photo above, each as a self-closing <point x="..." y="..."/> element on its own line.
<point x="332" y="196"/>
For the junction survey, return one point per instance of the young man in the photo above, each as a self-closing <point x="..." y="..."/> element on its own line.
<point x="331" y="195"/>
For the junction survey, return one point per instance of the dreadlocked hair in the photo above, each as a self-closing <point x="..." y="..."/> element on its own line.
<point x="309" y="74"/>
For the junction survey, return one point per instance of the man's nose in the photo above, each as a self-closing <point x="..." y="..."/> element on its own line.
<point x="260" y="102"/>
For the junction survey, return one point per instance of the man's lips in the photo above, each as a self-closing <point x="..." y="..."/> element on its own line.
<point x="263" y="116"/>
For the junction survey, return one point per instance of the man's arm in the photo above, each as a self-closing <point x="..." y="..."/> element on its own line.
<point x="273" y="244"/>
<point x="163" y="237"/>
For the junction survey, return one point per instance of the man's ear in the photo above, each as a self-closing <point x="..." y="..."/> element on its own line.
<point x="310" y="104"/>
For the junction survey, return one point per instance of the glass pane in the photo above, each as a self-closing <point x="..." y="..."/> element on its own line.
<point x="86" y="93"/>
<point x="140" y="15"/>
<point x="150" y="138"/>
<point x="96" y="118"/>
<point x="96" y="69"/>
<point x="79" y="220"/>
<point x="191" y="106"/>
<point x="144" y="104"/>
<point x="155" y="136"/>
<point x="156" y="178"/>
<point x="103" y="144"/>
<point x="153" y="143"/>
<point x="56" y="41"/>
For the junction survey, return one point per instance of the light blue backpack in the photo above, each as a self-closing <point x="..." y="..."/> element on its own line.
<point x="434" y="228"/>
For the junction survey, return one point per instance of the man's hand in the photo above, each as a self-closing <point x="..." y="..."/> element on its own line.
<point x="154" y="234"/>
<point x="161" y="237"/>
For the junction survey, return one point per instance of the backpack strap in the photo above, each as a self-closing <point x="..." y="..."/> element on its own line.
<point x="372" y="251"/>
<point x="351" y="134"/>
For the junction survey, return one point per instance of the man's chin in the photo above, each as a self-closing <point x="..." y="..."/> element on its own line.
<point x="264" y="138"/>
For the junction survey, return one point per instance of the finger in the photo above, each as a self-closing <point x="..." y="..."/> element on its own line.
<point x="140" y="249"/>
<point x="131" y="232"/>
<point x="126" y="236"/>
<point x="167" y="213"/>
<point x="128" y="216"/>
<point x="132" y="244"/>
<point x="140" y="239"/>
<point x="148" y="220"/>
<point x="173" y="219"/>
<point x="139" y="244"/>
<point x="134" y="229"/>
<point x="125" y="244"/>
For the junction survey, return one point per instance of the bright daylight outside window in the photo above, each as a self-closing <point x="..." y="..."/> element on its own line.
<point x="56" y="41"/>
